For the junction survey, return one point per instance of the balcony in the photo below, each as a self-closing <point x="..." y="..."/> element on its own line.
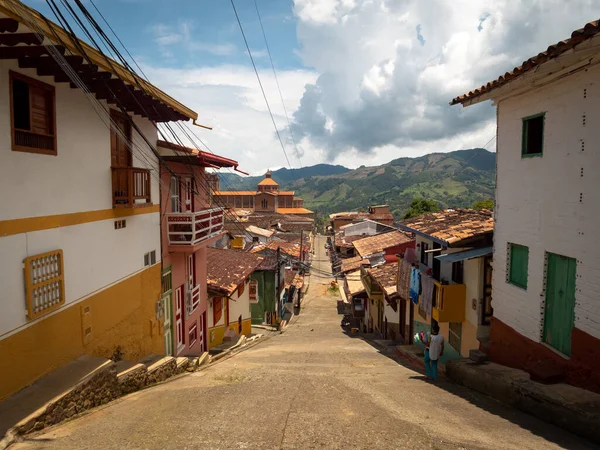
<point x="130" y="187"/>
<point x="189" y="229"/>
<point x="449" y="302"/>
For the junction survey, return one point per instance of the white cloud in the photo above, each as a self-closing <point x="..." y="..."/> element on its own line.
<point x="388" y="68"/>
<point x="229" y="99"/>
<point x="169" y="37"/>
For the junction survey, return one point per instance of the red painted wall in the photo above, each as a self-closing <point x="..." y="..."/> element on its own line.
<point x="509" y="348"/>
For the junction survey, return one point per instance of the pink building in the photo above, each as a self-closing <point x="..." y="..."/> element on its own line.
<point x="189" y="224"/>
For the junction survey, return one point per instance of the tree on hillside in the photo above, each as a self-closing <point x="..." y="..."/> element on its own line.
<point x="420" y="206"/>
<point x="484" y="204"/>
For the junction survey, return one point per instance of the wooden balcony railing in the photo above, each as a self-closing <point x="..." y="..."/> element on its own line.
<point x="193" y="228"/>
<point x="449" y="302"/>
<point x="130" y="187"/>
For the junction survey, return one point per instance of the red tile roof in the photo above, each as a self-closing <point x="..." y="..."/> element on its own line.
<point x="590" y="30"/>
<point x="227" y="269"/>
<point x="452" y="225"/>
<point x="378" y="243"/>
<point x="386" y="276"/>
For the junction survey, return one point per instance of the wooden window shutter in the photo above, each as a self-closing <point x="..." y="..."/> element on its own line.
<point x="519" y="265"/>
<point x="41" y="110"/>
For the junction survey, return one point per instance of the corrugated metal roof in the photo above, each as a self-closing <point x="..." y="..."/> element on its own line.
<point x="590" y="30"/>
<point x="466" y="254"/>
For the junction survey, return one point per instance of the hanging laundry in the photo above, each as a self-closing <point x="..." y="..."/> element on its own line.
<point x="415" y="285"/>
<point x="404" y="273"/>
<point x="427" y="293"/>
<point x="410" y="256"/>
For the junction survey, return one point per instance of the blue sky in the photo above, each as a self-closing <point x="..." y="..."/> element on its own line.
<point x="199" y="32"/>
<point x="363" y="81"/>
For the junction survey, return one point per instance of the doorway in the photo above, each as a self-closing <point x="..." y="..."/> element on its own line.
<point x="559" y="312"/>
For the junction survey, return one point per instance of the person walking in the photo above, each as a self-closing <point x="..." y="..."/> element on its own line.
<point x="433" y="351"/>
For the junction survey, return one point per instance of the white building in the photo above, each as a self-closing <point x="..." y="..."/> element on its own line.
<point x="79" y="222"/>
<point x="546" y="285"/>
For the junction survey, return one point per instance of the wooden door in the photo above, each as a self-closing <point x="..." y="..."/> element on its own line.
<point x="167" y="301"/>
<point x="168" y="323"/>
<point x="402" y="306"/>
<point x="486" y="309"/>
<point x="559" y="314"/>
<point x="179" y="318"/>
<point x="201" y="331"/>
<point x="120" y="155"/>
<point x="226" y="306"/>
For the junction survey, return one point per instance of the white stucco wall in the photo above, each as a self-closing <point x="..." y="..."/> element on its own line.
<point x="473" y="279"/>
<point x="240" y="306"/>
<point x="79" y="177"/>
<point x="95" y="257"/>
<point x="538" y="200"/>
<point x="77" y="180"/>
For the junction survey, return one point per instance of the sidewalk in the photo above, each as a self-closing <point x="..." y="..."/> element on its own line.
<point x="569" y="407"/>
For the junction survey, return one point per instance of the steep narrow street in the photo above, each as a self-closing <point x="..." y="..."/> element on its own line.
<point x="310" y="387"/>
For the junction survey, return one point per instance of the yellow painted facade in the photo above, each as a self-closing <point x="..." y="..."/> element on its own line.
<point x="29" y="224"/>
<point x="121" y="318"/>
<point x="216" y="334"/>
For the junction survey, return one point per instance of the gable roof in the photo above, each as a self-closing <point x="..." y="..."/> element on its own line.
<point x="289" y="248"/>
<point x="227" y="269"/>
<point x="386" y="277"/>
<point x="169" y="151"/>
<point x="350" y="264"/>
<point x="590" y="30"/>
<point x="378" y="243"/>
<point x="451" y="225"/>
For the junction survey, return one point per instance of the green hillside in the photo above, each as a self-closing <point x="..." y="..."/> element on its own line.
<point x="455" y="179"/>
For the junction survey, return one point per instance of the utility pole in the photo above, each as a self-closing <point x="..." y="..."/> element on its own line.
<point x="301" y="246"/>
<point x="278" y="287"/>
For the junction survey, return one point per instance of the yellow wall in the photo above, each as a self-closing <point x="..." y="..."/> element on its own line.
<point x="219" y="332"/>
<point x="121" y="316"/>
<point x="215" y="336"/>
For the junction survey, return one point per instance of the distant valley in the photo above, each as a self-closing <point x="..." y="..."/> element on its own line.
<point x="454" y="179"/>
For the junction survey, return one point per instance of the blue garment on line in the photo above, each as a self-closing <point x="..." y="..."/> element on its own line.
<point x="430" y="366"/>
<point x="415" y="283"/>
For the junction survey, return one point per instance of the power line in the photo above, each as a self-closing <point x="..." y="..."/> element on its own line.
<point x="277" y="82"/>
<point x="260" y="83"/>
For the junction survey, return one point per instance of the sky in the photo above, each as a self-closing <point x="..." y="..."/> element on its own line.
<point x="363" y="81"/>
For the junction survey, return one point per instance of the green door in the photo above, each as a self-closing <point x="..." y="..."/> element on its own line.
<point x="559" y="315"/>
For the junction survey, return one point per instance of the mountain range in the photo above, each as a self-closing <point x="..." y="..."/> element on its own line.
<point x="454" y="179"/>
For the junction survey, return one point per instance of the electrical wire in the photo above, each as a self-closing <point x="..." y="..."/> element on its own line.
<point x="260" y="83"/>
<point x="277" y="82"/>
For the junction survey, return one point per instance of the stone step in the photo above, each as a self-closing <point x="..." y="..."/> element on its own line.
<point x="182" y="363"/>
<point x="477" y="356"/>
<point x="131" y="376"/>
<point x="160" y="369"/>
<point x="81" y="384"/>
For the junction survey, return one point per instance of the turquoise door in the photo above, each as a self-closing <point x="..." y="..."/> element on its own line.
<point x="559" y="315"/>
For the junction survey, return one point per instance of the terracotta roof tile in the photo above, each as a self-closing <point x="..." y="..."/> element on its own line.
<point x="289" y="248"/>
<point x="350" y="264"/>
<point x="386" y="277"/>
<point x="590" y="30"/>
<point x="452" y="225"/>
<point x="294" y="211"/>
<point x="378" y="243"/>
<point x="227" y="269"/>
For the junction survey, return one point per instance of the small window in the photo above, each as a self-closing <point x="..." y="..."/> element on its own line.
<point x="44" y="283"/>
<point x="265" y="203"/>
<point x="193" y="334"/>
<point x="32" y="115"/>
<point x="457" y="271"/>
<point x="533" y="135"/>
<point x="424" y="254"/>
<point x="174" y="192"/>
<point x="518" y="265"/>
<point x="153" y="257"/>
<point x="253" y="291"/>
<point x="217" y="310"/>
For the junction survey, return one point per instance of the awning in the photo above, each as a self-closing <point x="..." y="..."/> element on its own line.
<point x="466" y="254"/>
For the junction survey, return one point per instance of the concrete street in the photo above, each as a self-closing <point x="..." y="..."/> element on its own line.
<point x="310" y="387"/>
